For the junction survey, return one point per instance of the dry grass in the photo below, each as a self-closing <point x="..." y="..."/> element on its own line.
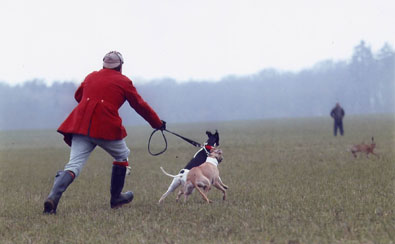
<point x="290" y="181"/>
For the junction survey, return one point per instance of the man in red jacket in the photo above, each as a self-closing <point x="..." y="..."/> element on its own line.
<point x="95" y="122"/>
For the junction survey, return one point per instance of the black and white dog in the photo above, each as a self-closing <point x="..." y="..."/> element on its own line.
<point x="198" y="159"/>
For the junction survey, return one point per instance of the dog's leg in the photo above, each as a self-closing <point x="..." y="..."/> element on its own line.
<point x="187" y="190"/>
<point x="206" y="188"/>
<point x="201" y="192"/>
<point x="186" y="196"/>
<point x="180" y="192"/>
<point x="218" y="185"/>
<point x="174" y="184"/>
<point x="222" y="184"/>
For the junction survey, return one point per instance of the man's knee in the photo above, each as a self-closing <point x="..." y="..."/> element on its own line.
<point x="117" y="149"/>
<point x="123" y="156"/>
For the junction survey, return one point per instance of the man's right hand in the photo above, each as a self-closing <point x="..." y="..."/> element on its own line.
<point x="163" y="127"/>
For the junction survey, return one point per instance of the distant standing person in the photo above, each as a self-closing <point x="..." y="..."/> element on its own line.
<point x="95" y="122"/>
<point x="337" y="114"/>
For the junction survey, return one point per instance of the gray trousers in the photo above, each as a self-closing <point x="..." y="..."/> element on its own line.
<point x="82" y="146"/>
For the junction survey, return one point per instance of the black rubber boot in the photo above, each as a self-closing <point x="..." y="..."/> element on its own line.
<point x="62" y="180"/>
<point x="117" y="181"/>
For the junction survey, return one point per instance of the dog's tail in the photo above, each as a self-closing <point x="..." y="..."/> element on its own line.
<point x="174" y="176"/>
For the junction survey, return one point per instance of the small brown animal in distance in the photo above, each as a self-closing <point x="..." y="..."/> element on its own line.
<point x="364" y="148"/>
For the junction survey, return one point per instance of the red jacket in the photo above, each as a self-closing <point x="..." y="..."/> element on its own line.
<point x="99" y="97"/>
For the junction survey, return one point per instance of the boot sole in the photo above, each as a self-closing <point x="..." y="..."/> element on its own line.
<point x="118" y="205"/>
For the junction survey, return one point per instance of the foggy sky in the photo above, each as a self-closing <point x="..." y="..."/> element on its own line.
<point x="183" y="40"/>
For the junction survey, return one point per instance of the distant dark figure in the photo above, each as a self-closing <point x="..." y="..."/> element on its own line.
<point x="337" y="114"/>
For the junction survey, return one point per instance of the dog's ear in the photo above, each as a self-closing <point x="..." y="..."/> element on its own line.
<point x="208" y="133"/>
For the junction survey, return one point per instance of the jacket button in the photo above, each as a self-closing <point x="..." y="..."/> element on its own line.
<point x="102" y="100"/>
<point x="87" y="99"/>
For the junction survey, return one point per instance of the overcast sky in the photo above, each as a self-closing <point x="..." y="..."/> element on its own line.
<point x="184" y="39"/>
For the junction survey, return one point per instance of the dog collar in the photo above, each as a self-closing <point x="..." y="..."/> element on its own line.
<point x="208" y="147"/>
<point x="211" y="160"/>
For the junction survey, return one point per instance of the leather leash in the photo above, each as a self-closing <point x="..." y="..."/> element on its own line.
<point x="194" y="143"/>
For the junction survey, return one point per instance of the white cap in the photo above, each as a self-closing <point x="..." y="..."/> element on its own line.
<point x="112" y="60"/>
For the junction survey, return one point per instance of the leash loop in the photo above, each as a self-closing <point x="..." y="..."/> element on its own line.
<point x="149" y="143"/>
<point x="194" y="143"/>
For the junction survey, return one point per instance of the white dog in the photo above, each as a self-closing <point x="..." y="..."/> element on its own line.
<point x="178" y="180"/>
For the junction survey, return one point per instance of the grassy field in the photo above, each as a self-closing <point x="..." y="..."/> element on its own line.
<point x="290" y="181"/>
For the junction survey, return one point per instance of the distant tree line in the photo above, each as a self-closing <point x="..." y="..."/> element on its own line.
<point x="363" y="84"/>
